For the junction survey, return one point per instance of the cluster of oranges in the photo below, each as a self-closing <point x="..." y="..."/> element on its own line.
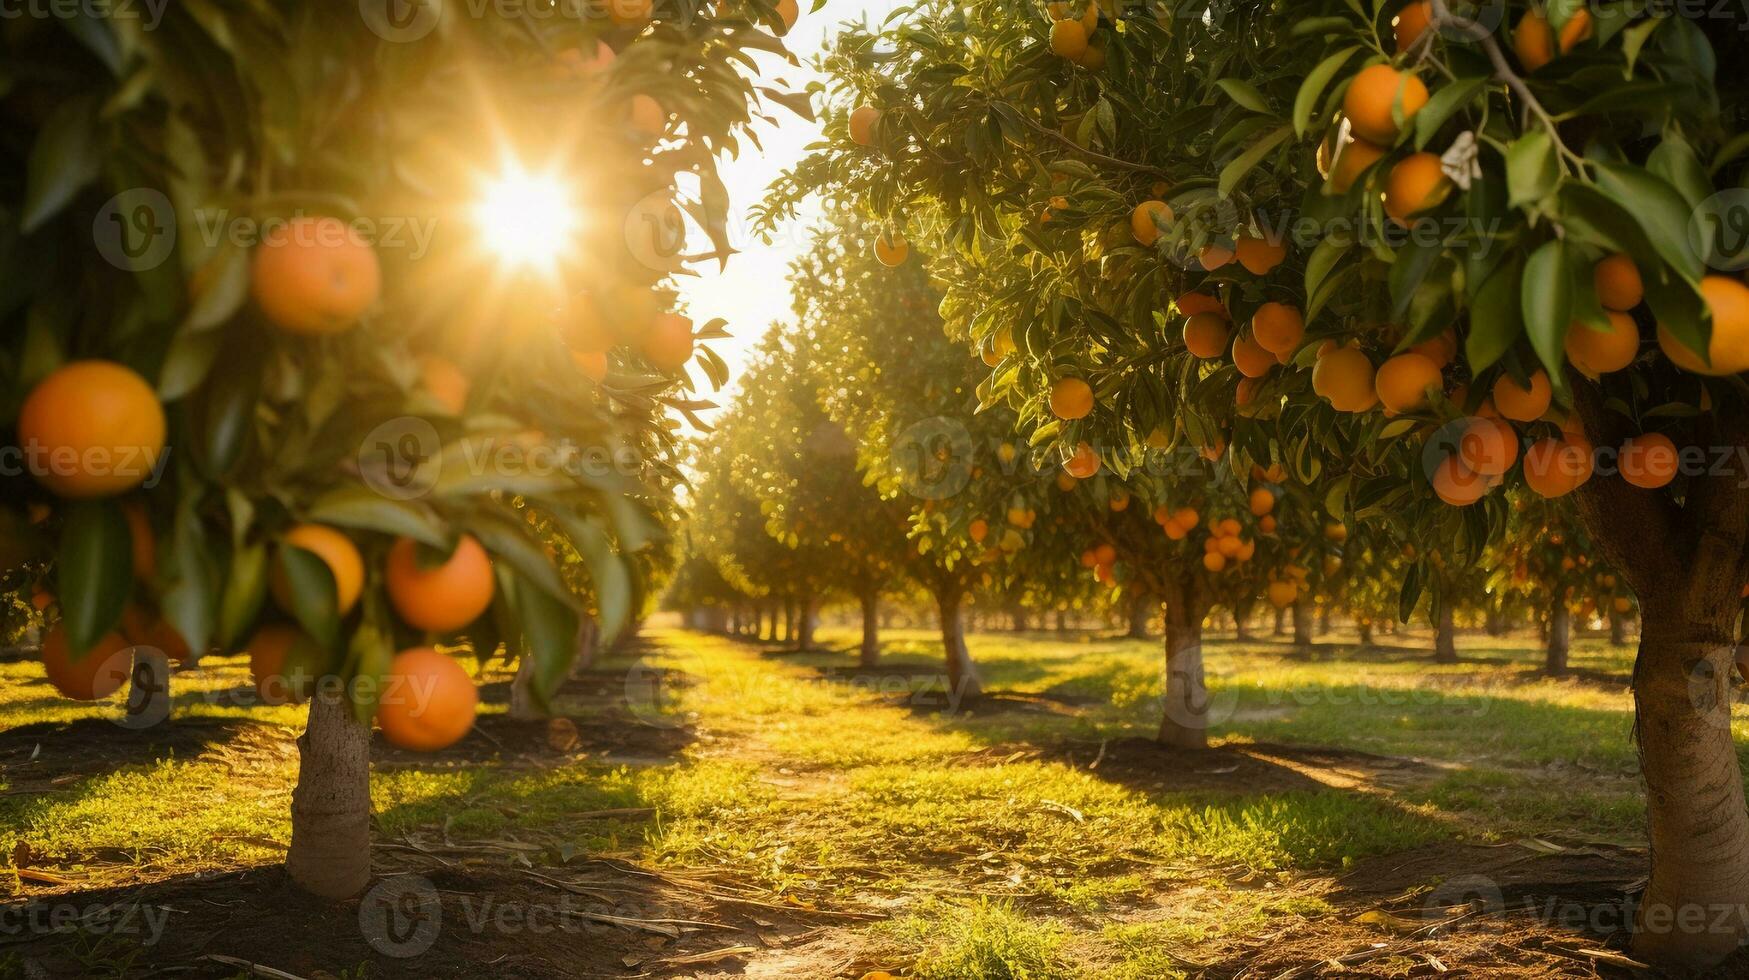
<point x="1072" y="33"/>
<point x="1287" y="586"/>
<point x="1102" y="560"/>
<point x="1224" y="544"/>
<point x="594" y="323"/>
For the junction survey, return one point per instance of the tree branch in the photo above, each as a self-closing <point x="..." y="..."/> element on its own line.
<point x="1442" y="16"/>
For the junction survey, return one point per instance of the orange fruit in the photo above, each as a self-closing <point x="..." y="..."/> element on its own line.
<point x="1336" y="532"/>
<point x="1411" y="22"/>
<point x="1093" y="59"/>
<point x="285" y="663"/>
<point x="1374" y="97"/>
<point x="1555" y="468"/>
<point x="1402" y="381"/>
<point x="1415" y="184"/>
<point x="1246" y="392"/>
<point x="1279" y="328"/>
<point x="574" y="63"/>
<point x="1214" y="561"/>
<point x="1729" y="301"/>
<point x="1206" y="335"/>
<point x="892" y="249"/>
<point x="789" y="12"/>
<point x="1649" y="461"/>
<point x="646" y="115"/>
<point x="1457" y="485"/>
<point x="1523" y="404"/>
<point x="1253" y="361"/>
<point x="428" y="701"/>
<point x="144" y="544"/>
<point x="91" y="429"/>
<point x="592" y="364"/>
<point x="315" y="276"/>
<point x="1534" y="41"/>
<point x="1192" y="303"/>
<point x="444" y="382"/>
<point x="92" y="677"/>
<point x="1283" y="594"/>
<point x="1259" y="255"/>
<point x="862" y="124"/>
<point x="142" y="630"/>
<point x="1266" y="524"/>
<point x="337" y="551"/>
<point x="1214" y="257"/>
<point x="1595" y="353"/>
<point x="668" y="343"/>
<point x="1083" y="464"/>
<point x="1618" y="283"/>
<point x="1147" y="219"/>
<point x="1071" y="398"/>
<point x="1104" y="554"/>
<point x="1343" y="165"/>
<point x="1345" y="378"/>
<point x="1262" y="502"/>
<point x="444" y="598"/>
<point x="1069" y="39"/>
<point x="1488" y="447"/>
<point x="1441" y="349"/>
<point x="979" y="529"/>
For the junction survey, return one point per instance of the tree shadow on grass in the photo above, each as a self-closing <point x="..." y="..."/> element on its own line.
<point x="46" y="752"/>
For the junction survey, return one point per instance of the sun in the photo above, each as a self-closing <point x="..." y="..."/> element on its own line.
<point x="528" y="220"/>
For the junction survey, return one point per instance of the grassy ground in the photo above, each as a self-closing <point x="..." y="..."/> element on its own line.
<point x="1036" y="836"/>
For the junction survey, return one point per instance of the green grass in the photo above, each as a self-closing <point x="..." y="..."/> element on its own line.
<point x="995" y="855"/>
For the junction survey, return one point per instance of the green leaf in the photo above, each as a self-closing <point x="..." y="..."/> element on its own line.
<point x="1658" y="209"/>
<point x="1443" y="105"/>
<point x="364" y="509"/>
<point x="93" y="571"/>
<point x="1244" y="93"/>
<point x="190" y="599"/>
<point x="1317" y="80"/>
<point x="1548" y="304"/>
<point x="245" y="591"/>
<point x="65" y="157"/>
<point x="314" y="601"/>
<point x="549" y="635"/>
<point x="1532" y="171"/>
<point x="1496" y="319"/>
<point x="1234" y="172"/>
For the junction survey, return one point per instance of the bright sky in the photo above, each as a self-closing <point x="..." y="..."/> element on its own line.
<point x="752" y="292"/>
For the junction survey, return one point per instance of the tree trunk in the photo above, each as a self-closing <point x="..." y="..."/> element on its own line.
<point x="522" y="706"/>
<point x="1444" y="635"/>
<point x="962" y="675"/>
<point x="148" y="689"/>
<point x="1062" y="621"/>
<point x="807" y="617"/>
<point x="1281" y="622"/>
<point x="588" y="639"/>
<point x="870" y="654"/>
<point x="1141" y="614"/>
<point x="1185" y="723"/>
<point x="1324" y="619"/>
<point x="330" y="836"/>
<point x="1560" y="638"/>
<point x="1365" y="628"/>
<point x="1496" y="620"/>
<point x="1242" y="619"/>
<point x="771" y="623"/>
<point x="789" y="619"/>
<point x="1618" y="630"/>
<point x="1302" y="623"/>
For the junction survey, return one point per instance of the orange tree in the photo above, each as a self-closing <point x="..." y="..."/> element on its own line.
<point x="273" y="382"/>
<point x="1426" y="212"/>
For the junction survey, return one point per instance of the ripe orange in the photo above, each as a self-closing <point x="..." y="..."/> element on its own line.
<point x="1192" y="303"/>
<point x="1279" y="328"/>
<point x="92" y="677"/>
<point x="1093" y="59"/>
<point x="1416" y="183"/>
<point x="1729" y="301"/>
<point x="1336" y="532"/>
<point x="1071" y="398"/>
<point x="1488" y="447"/>
<point x="1283" y="593"/>
<point x="91" y="429"/>
<point x="592" y="364"/>
<point x="1258" y="255"/>
<point x="428" y="700"/>
<point x="1206" y="335"/>
<point x="1344" y="377"/>
<point x="1253" y="361"/>
<point x="1214" y="257"/>
<point x="1649" y="461"/>
<point x="1618" y="283"/>
<point x="337" y="551"/>
<point x="668" y="344"/>
<point x="1262" y="502"/>
<point x="1215" y="562"/>
<point x="1343" y="165"/>
<point x="445" y="598"/>
<point x="1411" y="23"/>
<point x="1523" y="404"/>
<point x="1104" y="554"/>
<point x="1534" y="42"/>
<point x="892" y="249"/>
<point x="1374" y="97"/>
<point x="646" y="115"/>
<point x="862" y="124"/>
<point x="1555" y="468"/>
<point x="979" y="530"/>
<point x="1069" y="39"/>
<point x="1456" y="484"/>
<point x="444" y="382"/>
<point x="1441" y="349"/>
<point x="1146" y="221"/>
<point x="1595" y="353"/>
<point x="315" y="276"/>
<point x="285" y="663"/>
<point x="1266" y="524"/>
<point x="1246" y="392"/>
<point x="790" y="12"/>
<point x="143" y="543"/>
<point x="1083" y="464"/>
<point x="1402" y="381"/>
